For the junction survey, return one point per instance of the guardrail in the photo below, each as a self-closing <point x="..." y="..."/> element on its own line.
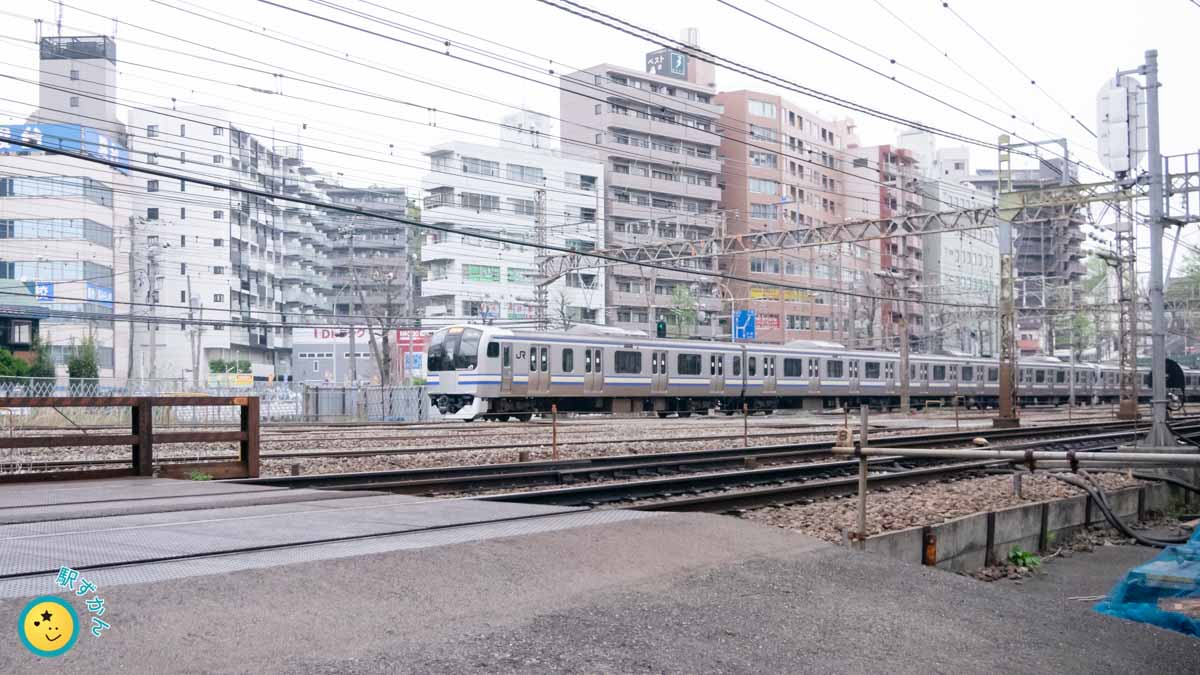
<point x="142" y="437"/>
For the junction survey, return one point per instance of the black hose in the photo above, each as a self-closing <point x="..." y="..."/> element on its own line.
<point x="1101" y="500"/>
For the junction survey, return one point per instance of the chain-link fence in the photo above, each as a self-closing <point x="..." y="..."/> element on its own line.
<point x="279" y="402"/>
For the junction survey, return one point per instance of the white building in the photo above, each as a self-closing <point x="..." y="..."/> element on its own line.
<point x="63" y="221"/>
<point x="496" y="190"/>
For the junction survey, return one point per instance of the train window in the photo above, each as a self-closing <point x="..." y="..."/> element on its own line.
<point x="871" y="370"/>
<point x="596" y="361"/>
<point x="993" y="374"/>
<point x="814" y="368"/>
<point x="1146" y="380"/>
<point x="834" y="368"/>
<point x="545" y="359"/>
<point x="653" y="363"/>
<point x="468" y="352"/>
<point x="737" y="365"/>
<point x="1060" y="376"/>
<point x="587" y="360"/>
<point x="493" y="350"/>
<point x="968" y="373"/>
<point x="792" y="368"/>
<point x="721" y="366"/>
<point x="568" y="360"/>
<point x="889" y="370"/>
<point x="712" y="364"/>
<point x="939" y="373"/>
<point x="752" y="366"/>
<point x="533" y="359"/>
<point x="627" y="362"/>
<point x="1039" y="376"/>
<point x="688" y="364"/>
<point x="506" y="356"/>
<point x="912" y="371"/>
<point x="924" y="370"/>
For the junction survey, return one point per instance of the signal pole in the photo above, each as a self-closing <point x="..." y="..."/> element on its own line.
<point x="1159" y="434"/>
<point x="1008" y="315"/>
<point x="540" y="291"/>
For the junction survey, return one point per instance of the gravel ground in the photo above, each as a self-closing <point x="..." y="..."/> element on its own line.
<point x="635" y="435"/>
<point x="899" y="508"/>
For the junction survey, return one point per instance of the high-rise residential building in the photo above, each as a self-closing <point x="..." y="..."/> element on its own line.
<point x="63" y="220"/>
<point x="373" y="259"/>
<point x="1047" y="253"/>
<point x="655" y="132"/>
<point x="961" y="268"/>
<point x="897" y="177"/>
<point x="511" y="190"/>
<point x="785" y="168"/>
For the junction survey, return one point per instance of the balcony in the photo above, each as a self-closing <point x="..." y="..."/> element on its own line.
<point x="636" y="211"/>
<point x="665" y="186"/>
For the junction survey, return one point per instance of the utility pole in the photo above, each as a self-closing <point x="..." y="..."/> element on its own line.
<point x="1159" y="434"/>
<point x="1008" y="323"/>
<point x="540" y="291"/>
<point x="133" y="221"/>
<point x="904" y="379"/>
<point x="152" y="274"/>
<point x="348" y="231"/>
<point x="196" y="333"/>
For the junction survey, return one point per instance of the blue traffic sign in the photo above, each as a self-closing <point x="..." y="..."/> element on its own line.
<point x="743" y="324"/>
<point x="44" y="291"/>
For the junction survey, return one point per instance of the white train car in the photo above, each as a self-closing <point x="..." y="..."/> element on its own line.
<point x="481" y="371"/>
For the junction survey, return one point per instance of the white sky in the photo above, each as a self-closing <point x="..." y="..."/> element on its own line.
<point x="1069" y="46"/>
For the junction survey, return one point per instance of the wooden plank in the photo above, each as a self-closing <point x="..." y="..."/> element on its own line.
<point x="118" y="401"/>
<point x="143" y="448"/>
<point x="217" y="470"/>
<point x="66" y="440"/>
<point x="250" y="437"/>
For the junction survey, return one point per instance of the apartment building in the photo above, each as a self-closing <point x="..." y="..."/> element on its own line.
<point x="897" y="176"/>
<point x="505" y="190"/>
<point x="373" y="260"/>
<point x="656" y="135"/>
<point x="786" y="169"/>
<point x="64" y="221"/>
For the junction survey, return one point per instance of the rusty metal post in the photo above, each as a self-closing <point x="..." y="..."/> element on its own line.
<point x="862" y="478"/>
<point x="143" y="428"/>
<point x="554" y="430"/>
<point x="1009" y="208"/>
<point x="957" y="400"/>
<point x="250" y="430"/>
<point x="928" y="547"/>
<point x="745" y="425"/>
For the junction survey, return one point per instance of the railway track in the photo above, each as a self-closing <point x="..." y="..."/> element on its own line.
<point x="758" y="464"/>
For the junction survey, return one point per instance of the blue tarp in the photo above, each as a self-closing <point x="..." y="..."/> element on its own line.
<point x="1151" y="593"/>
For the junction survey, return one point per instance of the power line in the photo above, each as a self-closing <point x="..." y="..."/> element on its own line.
<point x="444" y="228"/>
<point x="1012" y="63"/>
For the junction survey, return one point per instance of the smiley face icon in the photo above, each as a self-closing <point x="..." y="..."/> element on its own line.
<point x="48" y="626"/>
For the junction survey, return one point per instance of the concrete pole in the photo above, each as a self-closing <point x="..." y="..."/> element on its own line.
<point x="353" y="297"/>
<point x="904" y="379"/>
<point x="1159" y="433"/>
<point x="862" y="477"/>
<point x="1008" y="323"/>
<point x="152" y="273"/>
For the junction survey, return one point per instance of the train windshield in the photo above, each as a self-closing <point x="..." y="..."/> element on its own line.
<point x="455" y="348"/>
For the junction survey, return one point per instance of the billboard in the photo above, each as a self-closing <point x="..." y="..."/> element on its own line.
<point x="101" y="295"/>
<point x="668" y="63"/>
<point x="66" y="137"/>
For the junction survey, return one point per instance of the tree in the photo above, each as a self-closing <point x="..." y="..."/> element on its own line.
<point x="83" y="364"/>
<point x="11" y="366"/>
<point x="683" y="310"/>
<point x="43" y="362"/>
<point x="562" y="310"/>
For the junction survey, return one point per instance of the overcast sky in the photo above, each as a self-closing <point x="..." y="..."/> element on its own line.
<point x="1068" y="46"/>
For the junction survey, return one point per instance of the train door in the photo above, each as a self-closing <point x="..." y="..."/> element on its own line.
<point x="716" y="373"/>
<point x="593" y="370"/>
<point x="768" y="366"/>
<point x="852" y="371"/>
<point x="539" y="369"/>
<point x="506" y="368"/>
<point x="814" y="374"/>
<point x="659" y="377"/>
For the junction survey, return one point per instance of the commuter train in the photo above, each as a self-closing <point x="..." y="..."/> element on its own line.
<point x="482" y="371"/>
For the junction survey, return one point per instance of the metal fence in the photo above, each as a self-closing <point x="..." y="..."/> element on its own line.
<point x="279" y="402"/>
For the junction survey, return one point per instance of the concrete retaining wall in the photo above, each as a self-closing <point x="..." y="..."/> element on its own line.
<point x="974" y="541"/>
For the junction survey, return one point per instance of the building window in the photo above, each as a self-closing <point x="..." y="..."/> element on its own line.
<point x="74" y="101"/>
<point x="763" y="133"/>
<point x="764" y="211"/>
<point x="481" y="273"/>
<point x="218" y="131"/>
<point x="762" y="108"/>
<point x="218" y="297"/>
<point x="480" y="202"/>
<point x="218" y="215"/>
<point x="523" y="207"/>
<point x="152" y="213"/>
<point x="182" y="130"/>
<point x="152" y="158"/>
<point x="218" y="269"/>
<point x="183" y="268"/>
<point x="599" y="138"/>
<point x="525" y="174"/>
<point x="218" y="242"/>
<point x="218" y="159"/>
<point x="764" y="159"/>
<point x="151" y="130"/>
<point x="480" y="166"/>
<point x="151" y="186"/>
<point x="74" y="74"/>
<point x="182" y="213"/>
<point x="182" y="157"/>
<point x="763" y="187"/>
